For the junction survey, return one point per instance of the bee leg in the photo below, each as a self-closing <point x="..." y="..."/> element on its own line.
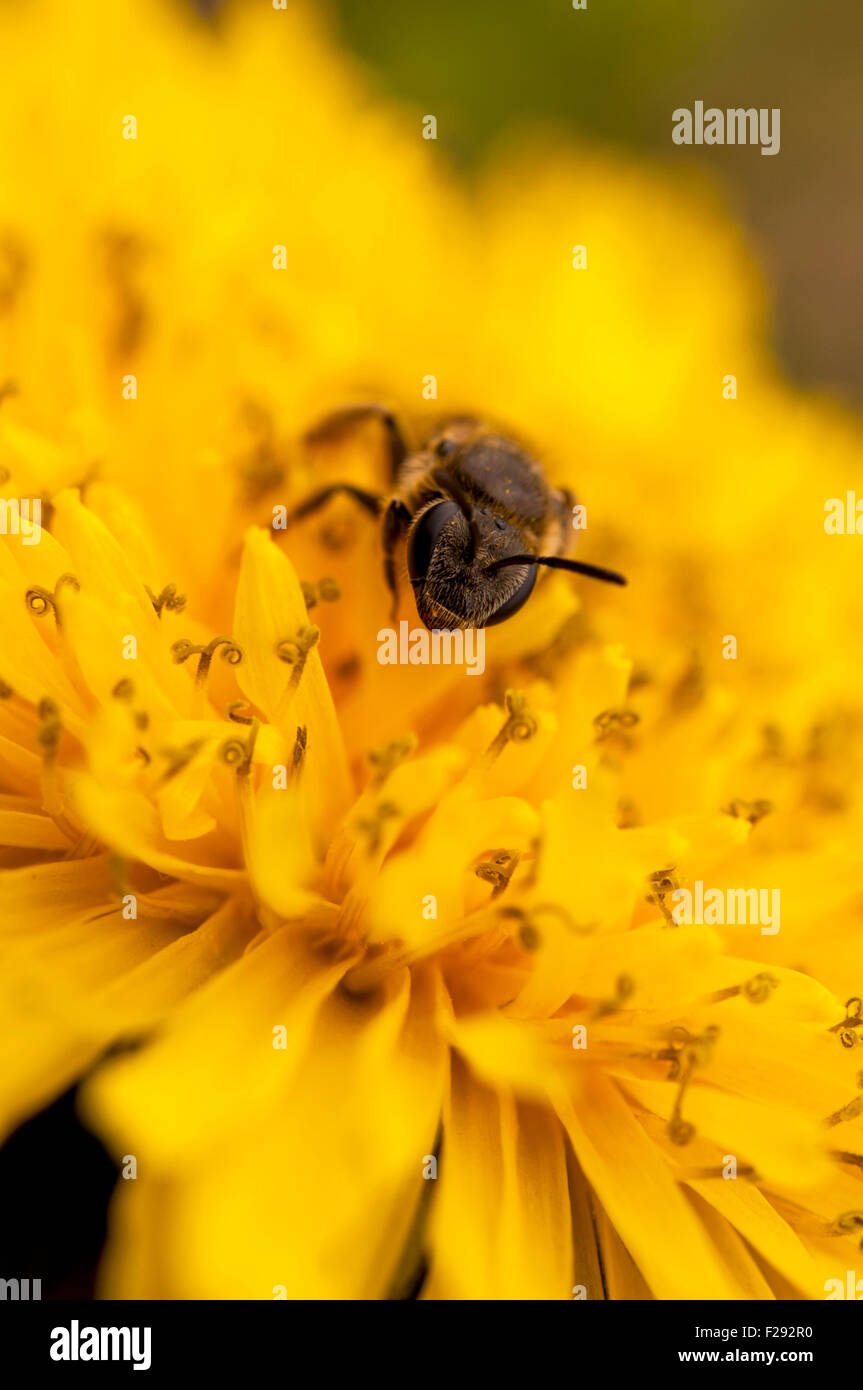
<point x="396" y="521"/>
<point x="341" y="422"/>
<point x="371" y="501"/>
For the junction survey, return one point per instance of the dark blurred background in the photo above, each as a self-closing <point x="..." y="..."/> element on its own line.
<point x="615" y="72"/>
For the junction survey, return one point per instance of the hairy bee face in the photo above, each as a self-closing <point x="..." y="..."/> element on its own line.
<point x="477" y="512"/>
<point x="449" y="574"/>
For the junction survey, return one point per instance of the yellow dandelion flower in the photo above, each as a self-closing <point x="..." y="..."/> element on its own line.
<point x="376" y="973"/>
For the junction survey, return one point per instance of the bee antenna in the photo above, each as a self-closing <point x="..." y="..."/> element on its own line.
<point x="554" y="562"/>
<point x="447" y="483"/>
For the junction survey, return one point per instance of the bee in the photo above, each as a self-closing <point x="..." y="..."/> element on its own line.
<point x="476" y="512"/>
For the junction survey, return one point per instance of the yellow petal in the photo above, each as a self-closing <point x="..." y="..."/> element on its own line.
<point x="782" y="1142"/>
<point x="500" y="1225"/>
<point x="314" y="1179"/>
<point x="126" y="821"/>
<point x="26" y="830"/>
<point x="635" y="1185"/>
<point x="270" y="609"/>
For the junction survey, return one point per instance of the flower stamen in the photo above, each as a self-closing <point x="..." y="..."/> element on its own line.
<point x="664" y="882"/>
<point x="843" y="1156"/>
<point x="677" y="1039"/>
<point x="853" y="1020"/>
<point x="851" y="1111"/>
<point x="688" y="1052"/>
<point x="326" y="590"/>
<point x="299" y="753"/>
<point x="183" y="649"/>
<point x="48" y="735"/>
<point x="296" y="653"/>
<point x="178" y="758"/>
<point x="847" y="1224"/>
<point x="50" y="728"/>
<point x="681" y="1131"/>
<point x="384" y="758"/>
<point x="612" y="721"/>
<point x="373" y="825"/>
<point x="168" y="598"/>
<point x="757" y="989"/>
<point x="41" y="601"/>
<point x="499" y="869"/>
<point x="528" y="931"/>
<point x="238" y="753"/>
<point x="233" y="712"/>
<point x="519" y="725"/>
<point x="624" y="987"/>
<point x="753" y="811"/>
<point x="125" y="690"/>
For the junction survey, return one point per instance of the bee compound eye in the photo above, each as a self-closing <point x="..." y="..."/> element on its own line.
<point x="425" y="536"/>
<point x="517" y="598"/>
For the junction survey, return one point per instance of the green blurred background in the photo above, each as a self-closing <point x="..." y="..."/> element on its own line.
<point x="615" y="72"/>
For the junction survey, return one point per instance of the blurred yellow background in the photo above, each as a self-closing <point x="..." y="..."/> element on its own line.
<point x="615" y="71"/>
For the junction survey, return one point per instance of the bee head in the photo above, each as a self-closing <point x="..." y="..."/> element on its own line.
<point x="467" y="562"/>
<point x="448" y="558"/>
